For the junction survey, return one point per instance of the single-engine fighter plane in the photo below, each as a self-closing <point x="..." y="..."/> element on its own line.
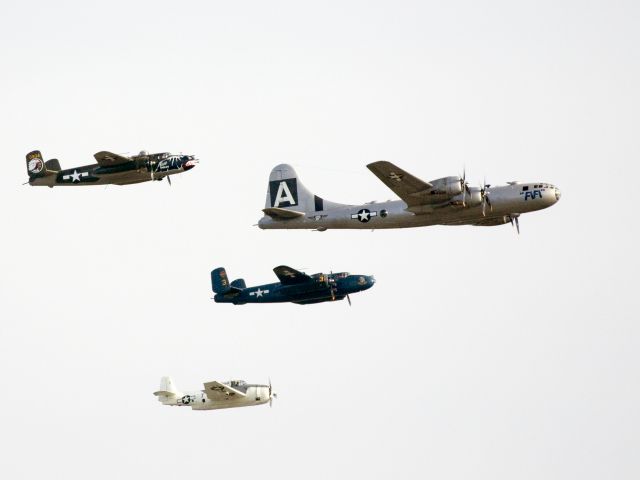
<point x="294" y="286"/>
<point x="216" y="395"/>
<point x="111" y="169"/>
<point x="445" y="201"/>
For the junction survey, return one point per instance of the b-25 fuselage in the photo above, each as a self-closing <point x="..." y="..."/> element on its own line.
<point x="294" y="286"/>
<point x="111" y="169"/>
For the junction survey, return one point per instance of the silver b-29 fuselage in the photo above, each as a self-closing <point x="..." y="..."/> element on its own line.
<point x="445" y="201"/>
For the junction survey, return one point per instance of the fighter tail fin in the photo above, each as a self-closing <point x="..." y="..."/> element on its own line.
<point x="287" y="197"/>
<point x="168" y="393"/>
<point x="37" y="167"/>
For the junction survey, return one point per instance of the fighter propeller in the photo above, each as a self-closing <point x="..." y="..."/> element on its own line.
<point x="272" y="394"/>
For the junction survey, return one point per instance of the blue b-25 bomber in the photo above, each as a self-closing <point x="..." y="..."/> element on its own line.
<point x="294" y="286"/>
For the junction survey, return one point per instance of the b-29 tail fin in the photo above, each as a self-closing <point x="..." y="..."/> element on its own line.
<point x="288" y="198"/>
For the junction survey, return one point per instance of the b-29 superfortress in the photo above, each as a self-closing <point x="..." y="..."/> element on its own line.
<point x="445" y="201"/>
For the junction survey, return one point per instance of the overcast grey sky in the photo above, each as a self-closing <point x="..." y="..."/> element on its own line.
<point x="478" y="354"/>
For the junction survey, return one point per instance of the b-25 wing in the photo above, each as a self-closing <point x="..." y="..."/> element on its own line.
<point x="108" y="159"/>
<point x="217" y="388"/>
<point x="291" y="276"/>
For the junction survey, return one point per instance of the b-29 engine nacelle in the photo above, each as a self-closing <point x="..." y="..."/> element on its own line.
<point x="472" y="198"/>
<point x="447" y="186"/>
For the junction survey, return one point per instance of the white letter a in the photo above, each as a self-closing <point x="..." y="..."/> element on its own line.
<point x="284" y="195"/>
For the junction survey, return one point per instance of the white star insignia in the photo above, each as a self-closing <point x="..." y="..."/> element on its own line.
<point x="75" y="176"/>
<point x="364" y="215"/>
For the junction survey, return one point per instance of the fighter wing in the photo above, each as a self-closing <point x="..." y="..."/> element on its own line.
<point x="409" y="188"/>
<point x="108" y="159"/>
<point x="291" y="276"/>
<point x="215" y="388"/>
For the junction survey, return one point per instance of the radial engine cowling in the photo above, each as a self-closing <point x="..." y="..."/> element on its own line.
<point x="447" y="186"/>
<point x="472" y="198"/>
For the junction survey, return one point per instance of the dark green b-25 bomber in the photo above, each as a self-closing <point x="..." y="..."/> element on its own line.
<point x="111" y="169"/>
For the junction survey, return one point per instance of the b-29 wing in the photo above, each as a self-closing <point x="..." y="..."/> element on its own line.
<point x="409" y="188"/>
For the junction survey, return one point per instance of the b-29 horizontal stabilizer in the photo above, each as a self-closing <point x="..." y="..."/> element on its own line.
<point x="281" y="213"/>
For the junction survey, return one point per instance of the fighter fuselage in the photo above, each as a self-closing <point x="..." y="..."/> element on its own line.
<point x="199" y="400"/>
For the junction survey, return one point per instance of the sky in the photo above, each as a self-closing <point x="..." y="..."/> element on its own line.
<point x="478" y="353"/>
